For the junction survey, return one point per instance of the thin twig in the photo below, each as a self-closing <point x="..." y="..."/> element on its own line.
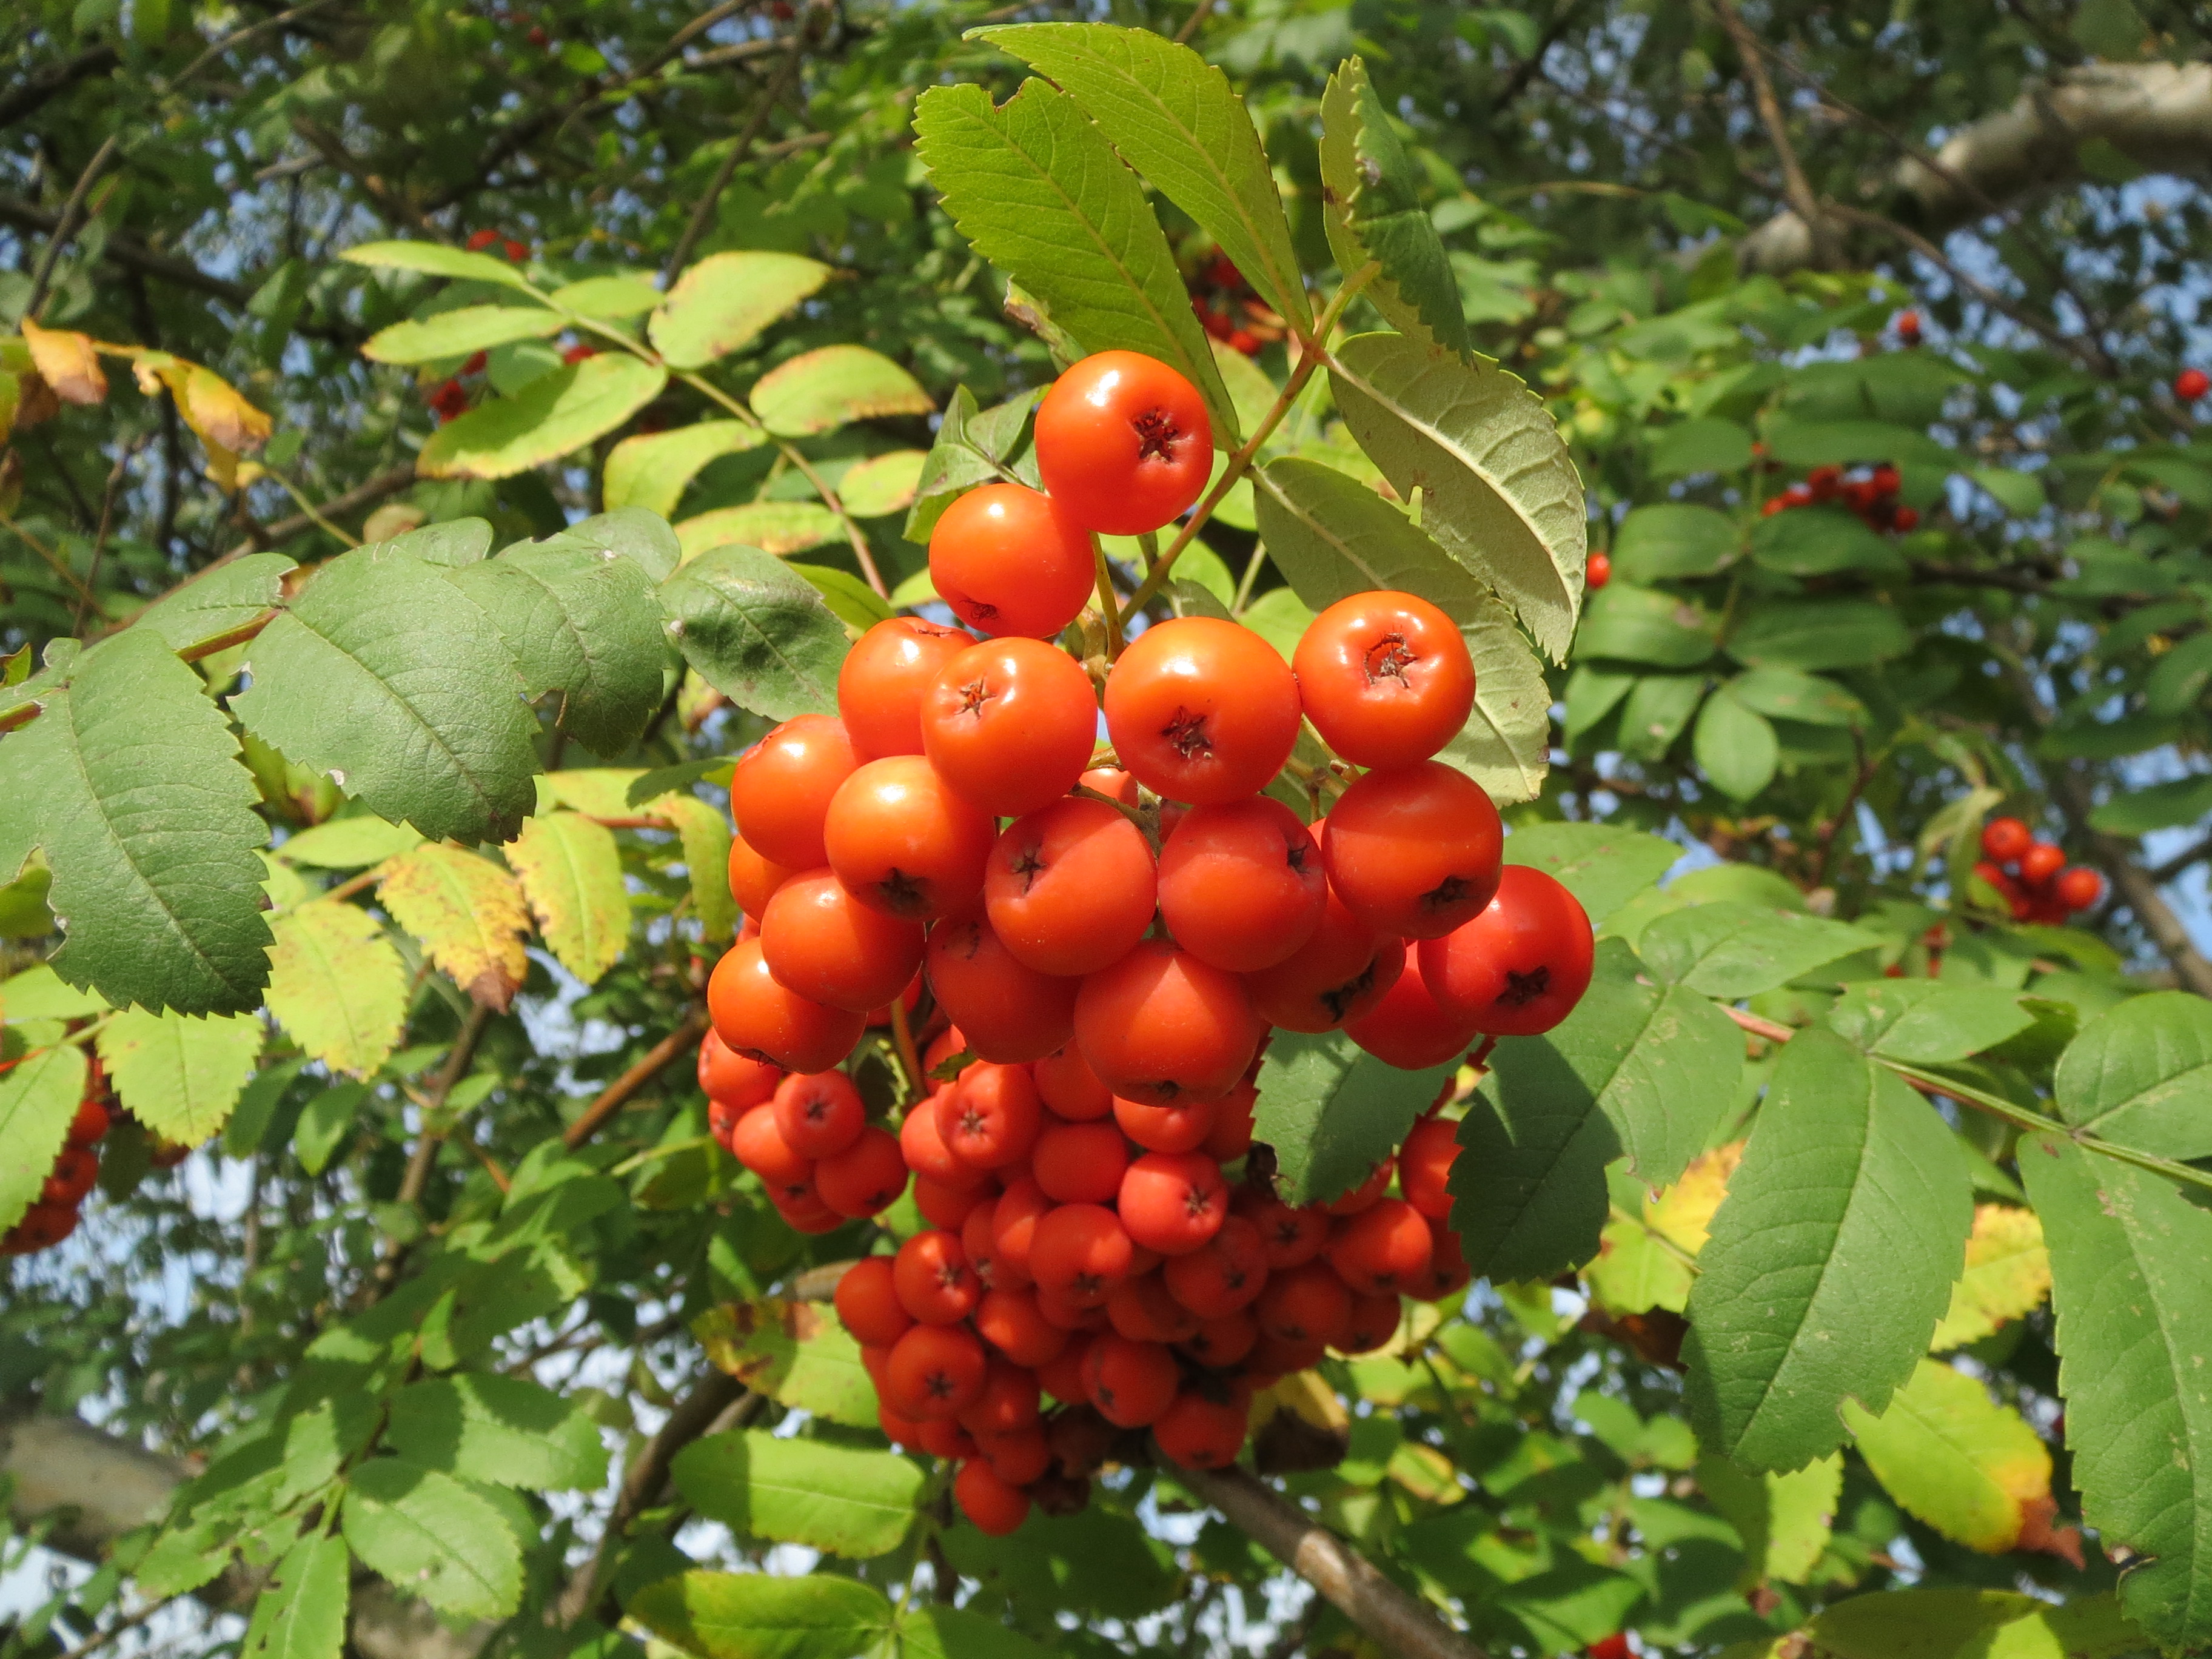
<point x="612" y="1098"/>
<point x="116" y="474"/>
<point x="1793" y="182"/>
<point x="425" y="1155"/>
<point x="1198" y="15"/>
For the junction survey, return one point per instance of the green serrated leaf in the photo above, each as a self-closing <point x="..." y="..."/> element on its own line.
<point x="1784" y="694"/>
<point x="435" y="260"/>
<point x="130" y="781"/>
<point x="751" y="1615"/>
<point x="851" y="1502"/>
<point x="1179" y="124"/>
<point x="1823" y="542"/>
<point x="937" y="1632"/>
<point x="581" y="621"/>
<point x="409" y="701"/>
<point x="1372" y="212"/>
<point x="2139" y="1075"/>
<point x="337" y="985"/>
<point x="348" y="843"/>
<point x="1830" y="1260"/>
<point x="851" y="600"/>
<point x="571" y="872"/>
<point x="38" y="1096"/>
<point x="1732" y="950"/>
<point x="227" y="597"/>
<point x="181" y="1076"/>
<point x="1498" y="489"/>
<point x="456" y="333"/>
<point x="1955" y="1623"/>
<point x="882" y="484"/>
<point x="1602" y="865"/>
<point x="325" y="1122"/>
<point x="1333" y="536"/>
<point x="469" y="914"/>
<point x="1828" y="633"/>
<point x="451" y="545"/>
<point x="1671" y="540"/>
<point x="300" y="1612"/>
<point x="504" y="1430"/>
<point x="1529" y="1196"/>
<point x="794" y="1352"/>
<point x="1039" y="192"/>
<point x="1735" y="746"/>
<point x="1332" y="1111"/>
<point x="2131" y="1285"/>
<point x="1644" y="625"/>
<point x="432" y="1537"/>
<point x="653" y="471"/>
<point x="777" y="527"/>
<point x="756" y="633"/>
<point x="1967" y="1466"/>
<point x="608" y="299"/>
<point x="722" y="302"/>
<point x="832" y="386"/>
<point x="1927" y="1022"/>
<point x="552" y="416"/>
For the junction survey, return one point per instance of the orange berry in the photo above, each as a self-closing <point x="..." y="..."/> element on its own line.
<point x="883" y="679"/>
<point x="1007" y="562"/>
<point x="781" y="788"/>
<point x="1414" y="851"/>
<point x="1385" y="678"/>
<point x="1202" y="710"/>
<point x="904" y="843"/>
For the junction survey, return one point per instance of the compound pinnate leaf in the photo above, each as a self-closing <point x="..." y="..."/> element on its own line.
<point x="1039" y="192"/>
<point x="551" y="416"/>
<point x="505" y="1430"/>
<point x="1484" y="450"/>
<point x="1372" y="207"/>
<point x="38" y="1095"/>
<point x="722" y="302"/>
<point x="1927" y="1022"/>
<point x="432" y="1537"/>
<point x="1829" y="1262"/>
<point x="849" y="1501"/>
<point x="1176" y="119"/>
<point x="581" y="620"/>
<point x="435" y="260"/>
<point x="2139" y="1075"/>
<point x="820" y="391"/>
<point x="225" y="597"/>
<point x="751" y="1615"/>
<point x="177" y="1075"/>
<point x="1332" y="537"/>
<point x="571" y="872"/>
<point x="336" y="985"/>
<point x="653" y="471"/>
<point x="2007" y="1275"/>
<point x="1955" y="1458"/>
<point x="1734" y="950"/>
<point x="408" y="699"/>
<point x="1602" y="865"/>
<point x="130" y="781"/>
<point x="469" y="914"/>
<point x="758" y="634"/>
<point x="794" y="1352"/>
<point x="2131" y="1285"/>
<point x="300" y="1612"/>
<point x="1332" y="1111"/>
<point x="457" y="333"/>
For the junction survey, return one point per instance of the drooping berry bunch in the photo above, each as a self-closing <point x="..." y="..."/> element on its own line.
<point x="2032" y="876"/>
<point x="53" y="1217"/>
<point x="1871" y="496"/>
<point x="1106" y="940"/>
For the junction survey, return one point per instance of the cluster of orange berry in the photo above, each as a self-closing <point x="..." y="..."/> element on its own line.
<point x="2032" y="877"/>
<point x="1106" y="941"/>
<point x="1228" y="308"/>
<point x="1871" y="496"/>
<point x="53" y="1216"/>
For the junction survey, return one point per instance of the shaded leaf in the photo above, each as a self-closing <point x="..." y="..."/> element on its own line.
<point x="1332" y="1111"/>
<point x="1829" y="633"/>
<point x="757" y="633"/>
<point x="227" y="597"/>
<point x="751" y="1615"/>
<point x="794" y="1352"/>
<point x="336" y="985"/>
<point x="1735" y="746"/>
<point x="503" y="1430"/>
<point x="432" y="1537"/>
<point x="849" y="1501"/>
<point x="1732" y="950"/>
<point x="1927" y="1022"/>
<point x="2141" y="1073"/>
<point x="1968" y="1467"/>
<point x="38" y="1096"/>
<point x="300" y="1612"/>
<point x="1644" y="625"/>
<point x="1602" y="865"/>
<point x="1670" y="540"/>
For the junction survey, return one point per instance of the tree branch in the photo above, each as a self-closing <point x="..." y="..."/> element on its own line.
<point x="1793" y="182"/>
<point x="54" y="79"/>
<point x="2136" y="886"/>
<point x="612" y="1098"/>
<point x="1399" y="1624"/>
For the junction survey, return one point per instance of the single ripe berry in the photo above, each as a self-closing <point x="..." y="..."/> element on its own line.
<point x="1172" y="1202"/>
<point x="89" y="1125"/>
<point x="819" y="1114"/>
<point x="990" y="1119"/>
<point x="754" y="879"/>
<point x="2040" y="863"/>
<point x="728" y="1078"/>
<point x="1142" y="1310"/>
<point x="2191" y="384"/>
<point x="2078" y="889"/>
<point x="1009" y="1320"/>
<point x="1070" y="887"/>
<point x="1202" y="710"/>
<point x="1385" y="678"/>
<point x="1080" y="1252"/>
<point x="1009" y="1011"/>
<point x="2005" y="839"/>
<point x="1414" y="851"/>
<point x="1343" y="970"/>
<point x="1200" y="1433"/>
<point x="1131" y="1383"/>
<point x="1020" y="1457"/>
<point x="1160" y="1027"/>
<point x="1177" y="1127"/>
<point x="823" y="943"/>
<point x="934" y="1372"/>
<point x="927" y="1154"/>
<point x="950" y="1207"/>
<point x="1079" y="1162"/>
<point x="1424" y="1164"/>
<point x="1407" y="1030"/>
<point x="1381" y="1250"/>
<point x="904" y="842"/>
<point x="1373" y="1322"/>
<point x="1447" y="1273"/>
<point x="865" y="1179"/>
<point x="758" y="1017"/>
<point x="949" y="1441"/>
<point x="1123" y="443"/>
<point x="1290" y="1236"/>
<point x="781" y="788"/>
<point x="1007" y="1404"/>
<point x="1008" y="563"/>
<point x="1224" y="1275"/>
<point x="883" y="678"/>
<point x="1308" y="1304"/>
<point x="1519" y="968"/>
<point x="1221" y="1343"/>
<point x="1908" y="328"/>
<point x="1241" y="885"/>
<point x="1597" y="572"/>
<point x="1010" y="725"/>
<point x="935" y="1282"/>
<point x="1069" y="1088"/>
<point x="995" y="1508"/>
<point x="758" y="1143"/>
<point x="868" y="1304"/>
<point x="979" y="1237"/>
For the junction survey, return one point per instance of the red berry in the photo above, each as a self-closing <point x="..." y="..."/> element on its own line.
<point x="1202" y="710"/>
<point x="1131" y="1383"/>
<point x="1597" y="572"/>
<point x="1414" y="851"/>
<point x="1518" y="969"/>
<point x="2191" y="384"/>
<point x="2079" y="888"/>
<point x="1200" y="1433"/>
<point x="2005" y="839"/>
<point x="865" y="1179"/>
<point x="1385" y="678"/>
<point x="1172" y="1202"/>
<point x="868" y="1304"/>
<point x="1009" y="561"/>
<point x="934" y="1372"/>
<point x="1123" y="443"/>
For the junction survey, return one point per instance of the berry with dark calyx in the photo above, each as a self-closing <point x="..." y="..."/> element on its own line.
<point x="1383" y="1249"/>
<point x="1373" y="1322"/>
<point x="1080" y="1252"/>
<point x="1011" y="1011"/>
<point x="1131" y="1383"/>
<point x="1385" y="678"/>
<point x="42" y="1227"/>
<point x="923" y="1146"/>
<point x="934" y="1372"/>
<point x="1414" y="851"/>
<point x="1339" y="974"/>
<point x="1009" y="561"/>
<point x="1123" y="443"/>
<point x="1178" y="1126"/>
<point x="1290" y="1236"/>
<point x="1520" y="967"/>
<point x="991" y="1118"/>
<point x="2005" y="839"/>
<point x="1173" y="1203"/>
<point x="1070" y="887"/>
<point x="1225" y="1275"/>
<point x="1010" y="725"/>
<point x="904" y="843"/>
<point x="1007" y="1404"/>
<point x="1009" y="1320"/>
<point x="821" y="942"/>
<point x="1202" y="710"/>
<point x="865" y="1179"/>
<point x="725" y="1077"/>
<point x="1143" y="1310"/>
<point x="758" y="1143"/>
<point x="1408" y="1029"/>
<point x="1308" y="1304"/>
<point x="1221" y="1343"/>
<point x="1241" y="885"/>
<point x="74" y="1173"/>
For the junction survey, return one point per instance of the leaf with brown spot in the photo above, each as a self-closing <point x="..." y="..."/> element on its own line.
<point x="794" y="1352"/>
<point x="67" y="361"/>
<point x="469" y="914"/>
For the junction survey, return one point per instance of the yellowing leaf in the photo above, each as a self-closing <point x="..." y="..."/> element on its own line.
<point x="67" y="361"/>
<point x="2007" y="1275"/>
<point x="336" y="985"/>
<point x="652" y="471"/>
<point x="883" y="483"/>
<point x="603" y="792"/>
<point x="777" y="527"/>
<point x="1685" y="1209"/>
<point x="1634" y="1273"/>
<point x="469" y="914"/>
<point x="181" y="1076"/>
<point x="724" y="301"/>
<point x="220" y="414"/>
<point x="820" y="391"/>
<point x="571" y="870"/>
<point x="1426" y="1472"/>
<point x="1968" y="1467"/>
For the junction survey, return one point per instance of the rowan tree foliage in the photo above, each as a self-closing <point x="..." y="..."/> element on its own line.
<point x="527" y="407"/>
